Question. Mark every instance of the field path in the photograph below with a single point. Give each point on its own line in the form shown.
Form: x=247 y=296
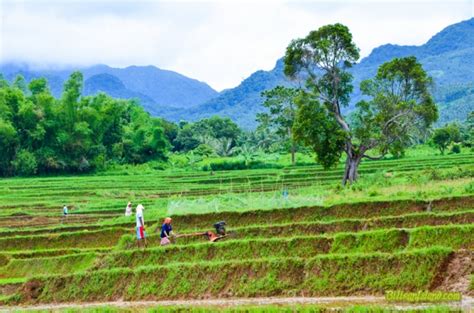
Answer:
x=467 y=303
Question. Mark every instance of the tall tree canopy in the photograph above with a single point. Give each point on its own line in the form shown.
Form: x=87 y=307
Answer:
x=214 y=130
x=400 y=103
x=280 y=102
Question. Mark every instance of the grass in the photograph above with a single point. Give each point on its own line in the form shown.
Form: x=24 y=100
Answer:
x=388 y=241
x=195 y=191
x=20 y=268
x=452 y=235
x=337 y=275
x=83 y=239
x=299 y=246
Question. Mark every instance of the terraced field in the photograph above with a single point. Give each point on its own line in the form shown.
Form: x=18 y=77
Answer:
x=423 y=240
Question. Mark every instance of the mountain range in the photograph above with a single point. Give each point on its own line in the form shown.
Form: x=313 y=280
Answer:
x=157 y=90
x=448 y=57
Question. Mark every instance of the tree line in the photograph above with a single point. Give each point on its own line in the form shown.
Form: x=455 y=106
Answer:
x=42 y=134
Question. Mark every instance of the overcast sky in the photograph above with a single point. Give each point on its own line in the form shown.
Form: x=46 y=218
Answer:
x=219 y=42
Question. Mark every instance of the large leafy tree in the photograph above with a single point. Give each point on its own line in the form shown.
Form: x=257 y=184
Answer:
x=280 y=117
x=400 y=103
x=444 y=136
x=209 y=131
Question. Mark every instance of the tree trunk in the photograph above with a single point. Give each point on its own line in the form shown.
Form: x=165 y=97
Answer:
x=293 y=146
x=350 y=172
x=293 y=152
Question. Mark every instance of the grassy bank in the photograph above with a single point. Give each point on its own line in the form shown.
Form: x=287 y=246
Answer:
x=317 y=276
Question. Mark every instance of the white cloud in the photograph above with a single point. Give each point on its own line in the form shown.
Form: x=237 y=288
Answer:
x=219 y=42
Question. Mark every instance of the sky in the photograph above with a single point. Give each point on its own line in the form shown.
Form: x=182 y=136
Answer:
x=220 y=42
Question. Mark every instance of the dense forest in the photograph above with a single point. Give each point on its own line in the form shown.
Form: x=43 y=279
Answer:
x=42 y=134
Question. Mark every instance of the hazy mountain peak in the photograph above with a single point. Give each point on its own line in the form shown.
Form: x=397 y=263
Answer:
x=157 y=89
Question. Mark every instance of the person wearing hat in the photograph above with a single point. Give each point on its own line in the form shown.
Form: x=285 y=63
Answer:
x=141 y=236
x=166 y=230
x=128 y=209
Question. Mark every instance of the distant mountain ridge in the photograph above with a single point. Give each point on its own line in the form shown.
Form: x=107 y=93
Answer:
x=158 y=90
x=448 y=57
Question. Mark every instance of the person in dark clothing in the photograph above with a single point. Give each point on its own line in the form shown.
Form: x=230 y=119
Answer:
x=166 y=230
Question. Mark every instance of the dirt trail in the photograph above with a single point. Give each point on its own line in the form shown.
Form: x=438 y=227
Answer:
x=458 y=272
x=466 y=305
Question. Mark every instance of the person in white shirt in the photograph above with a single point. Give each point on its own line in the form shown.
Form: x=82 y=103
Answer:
x=141 y=236
x=65 y=213
x=128 y=209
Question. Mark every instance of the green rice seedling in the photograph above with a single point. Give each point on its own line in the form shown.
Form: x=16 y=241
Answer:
x=18 y=268
x=380 y=240
x=41 y=253
x=4 y=259
x=354 y=224
x=318 y=213
x=83 y=239
x=455 y=236
x=389 y=240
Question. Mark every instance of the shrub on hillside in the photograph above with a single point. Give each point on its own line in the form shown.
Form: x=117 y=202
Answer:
x=456 y=148
x=204 y=150
x=25 y=163
x=238 y=165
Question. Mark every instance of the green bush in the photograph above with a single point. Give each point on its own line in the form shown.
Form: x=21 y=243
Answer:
x=204 y=150
x=25 y=163
x=456 y=148
x=239 y=165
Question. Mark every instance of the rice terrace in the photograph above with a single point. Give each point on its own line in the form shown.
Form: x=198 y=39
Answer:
x=341 y=180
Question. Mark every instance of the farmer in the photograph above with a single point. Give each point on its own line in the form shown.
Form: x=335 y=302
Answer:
x=166 y=230
x=65 y=213
x=141 y=236
x=128 y=209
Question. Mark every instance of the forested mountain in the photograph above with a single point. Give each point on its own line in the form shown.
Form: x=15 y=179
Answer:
x=241 y=104
x=448 y=57
x=158 y=90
